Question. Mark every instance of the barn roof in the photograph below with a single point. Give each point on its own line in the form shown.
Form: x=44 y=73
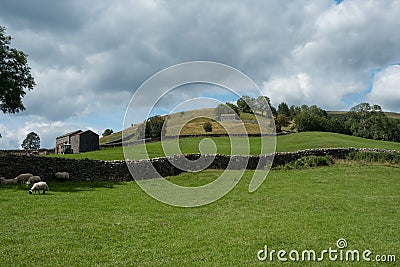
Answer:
x=69 y=134
x=87 y=132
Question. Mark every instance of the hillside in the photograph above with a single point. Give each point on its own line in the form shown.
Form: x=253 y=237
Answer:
x=193 y=121
x=286 y=143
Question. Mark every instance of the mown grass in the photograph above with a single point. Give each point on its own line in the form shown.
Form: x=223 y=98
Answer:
x=286 y=143
x=103 y=224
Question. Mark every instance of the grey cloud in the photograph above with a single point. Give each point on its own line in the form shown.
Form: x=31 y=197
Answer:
x=81 y=52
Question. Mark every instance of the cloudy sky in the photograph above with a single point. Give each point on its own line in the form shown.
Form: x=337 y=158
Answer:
x=89 y=57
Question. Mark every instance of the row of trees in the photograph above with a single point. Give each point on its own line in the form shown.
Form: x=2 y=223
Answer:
x=247 y=104
x=363 y=120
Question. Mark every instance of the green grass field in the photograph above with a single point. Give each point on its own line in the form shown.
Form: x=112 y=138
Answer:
x=286 y=143
x=104 y=224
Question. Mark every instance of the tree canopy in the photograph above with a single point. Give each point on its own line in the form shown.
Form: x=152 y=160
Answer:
x=32 y=141
x=152 y=128
x=15 y=75
x=107 y=132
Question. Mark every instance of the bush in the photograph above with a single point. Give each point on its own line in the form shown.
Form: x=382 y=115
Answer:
x=308 y=162
x=207 y=126
x=380 y=157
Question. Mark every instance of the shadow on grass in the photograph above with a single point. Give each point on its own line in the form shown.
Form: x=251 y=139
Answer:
x=65 y=186
x=80 y=186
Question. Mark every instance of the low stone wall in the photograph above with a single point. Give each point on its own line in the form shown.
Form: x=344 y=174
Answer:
x=96 y=170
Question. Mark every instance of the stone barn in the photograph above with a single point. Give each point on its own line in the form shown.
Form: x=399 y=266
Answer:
x=77 y=142
x=229 y=118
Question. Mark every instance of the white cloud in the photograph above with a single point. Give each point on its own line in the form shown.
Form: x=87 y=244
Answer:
x=386 y=88
x=88 y=57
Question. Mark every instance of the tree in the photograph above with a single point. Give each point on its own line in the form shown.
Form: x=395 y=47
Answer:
x=282 y=120
x=246 y=103
x=15 y=76
x=294 y=110
x=32 y=141
x=308 y=121
x=207 y=126
x=262 y=103
x=234 y=108
x=283 y=109
x=152 y=127
x=107 y=132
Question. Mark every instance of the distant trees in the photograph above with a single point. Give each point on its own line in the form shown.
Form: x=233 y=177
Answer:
x=32 y=141
x=151 y=128
x=310 y=118
x=284 y=109
x=257 y=105
x=107 y=132
x=245 y=103
x=369 y=121
x=363 y=120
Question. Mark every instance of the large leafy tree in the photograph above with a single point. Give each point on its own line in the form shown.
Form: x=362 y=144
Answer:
x=15 y=75
x=152 y=128
x=246 y=103
x=107 y=132
x=32 y=141
x=262 y=103
x=283 y=109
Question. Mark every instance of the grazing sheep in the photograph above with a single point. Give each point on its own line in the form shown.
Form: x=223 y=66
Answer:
x=8 y=181
x=23 y=178
x=61 y=175
x=33 y=179
x=39 y=186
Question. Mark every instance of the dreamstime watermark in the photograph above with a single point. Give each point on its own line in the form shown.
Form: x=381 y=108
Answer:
x=163 y=91
x=338 y=253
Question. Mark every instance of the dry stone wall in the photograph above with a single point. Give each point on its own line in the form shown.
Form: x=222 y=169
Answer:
x=96 y=170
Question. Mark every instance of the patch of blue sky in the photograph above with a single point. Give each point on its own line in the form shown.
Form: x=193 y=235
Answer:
x=359 y=97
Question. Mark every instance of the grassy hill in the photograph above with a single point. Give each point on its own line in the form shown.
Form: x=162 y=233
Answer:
x=286 y=143
x=193 y=121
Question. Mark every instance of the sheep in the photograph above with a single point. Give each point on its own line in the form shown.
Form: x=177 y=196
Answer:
x=23 y=178
x=33 y=179
x=7 y=181
x=39 y=186
x=61 y=176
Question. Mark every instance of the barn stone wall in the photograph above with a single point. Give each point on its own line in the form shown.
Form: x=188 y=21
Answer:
x=96 y=170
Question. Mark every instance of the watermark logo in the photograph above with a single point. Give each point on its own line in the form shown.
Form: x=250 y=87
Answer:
x=339 y=253
x=206 y=83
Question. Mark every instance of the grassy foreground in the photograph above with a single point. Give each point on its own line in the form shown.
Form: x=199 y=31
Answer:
x=89 y=224
x=286 y=143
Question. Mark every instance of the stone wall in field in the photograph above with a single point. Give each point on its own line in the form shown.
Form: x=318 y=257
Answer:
x=96 y=170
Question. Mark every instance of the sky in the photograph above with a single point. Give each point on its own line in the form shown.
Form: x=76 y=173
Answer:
x=89 y=57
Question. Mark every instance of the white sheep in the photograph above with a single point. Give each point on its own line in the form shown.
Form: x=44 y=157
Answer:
x=33 y=179
x=39 y=186
x=61 y=175
x=7 y=181
x=23 y=178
